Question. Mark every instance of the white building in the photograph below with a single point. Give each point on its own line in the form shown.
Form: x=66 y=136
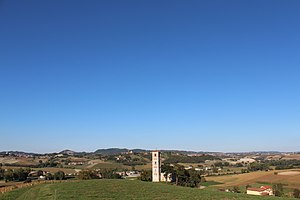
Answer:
x=164 y=178
x=156 y=166
x=262 y=191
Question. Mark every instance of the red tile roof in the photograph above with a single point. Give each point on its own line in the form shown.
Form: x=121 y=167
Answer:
x=265 y=187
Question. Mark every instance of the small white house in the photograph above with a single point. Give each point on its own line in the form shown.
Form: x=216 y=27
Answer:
x=163 y=178
x=262 y=191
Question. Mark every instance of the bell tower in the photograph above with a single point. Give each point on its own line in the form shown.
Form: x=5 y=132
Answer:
x=156 y=171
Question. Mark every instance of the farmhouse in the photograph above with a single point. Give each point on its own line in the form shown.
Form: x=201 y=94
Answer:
x=262 y=191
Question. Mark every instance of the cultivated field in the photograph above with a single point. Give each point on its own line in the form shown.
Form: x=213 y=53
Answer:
x=290 y=178
x=119 y=189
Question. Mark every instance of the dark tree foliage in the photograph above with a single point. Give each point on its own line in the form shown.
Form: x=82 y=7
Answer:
x=60 y=175
x=88 y=174
x=146 y=175
x=236 y=189
x=173 y=159
x=167 y=169
x=49 y=176
x=244 y=171
x=9 y=175
x=49 y=163
x=258 y=166
x=2 y=173
x=278 y=189
x=239 y=165
x=110 y=174
x=296 y=193
x=284 y=164
x=279 y=164
x=128 y=159
x=19 y=174
x=183 y=177
x=221 y=164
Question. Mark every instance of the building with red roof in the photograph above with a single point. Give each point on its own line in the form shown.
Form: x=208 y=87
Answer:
x=262 y=191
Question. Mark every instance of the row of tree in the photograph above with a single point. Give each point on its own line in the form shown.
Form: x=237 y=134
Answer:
x=180 y=176
x=279 y=164
x=22 y=174
x=19 y=174
x=173 y=159
x=104 y=173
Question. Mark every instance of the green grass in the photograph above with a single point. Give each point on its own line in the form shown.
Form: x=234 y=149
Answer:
x=209 y=183
x=107 y=165
x=119 y=189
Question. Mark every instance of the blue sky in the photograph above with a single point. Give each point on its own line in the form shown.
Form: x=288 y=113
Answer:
x=195 y=75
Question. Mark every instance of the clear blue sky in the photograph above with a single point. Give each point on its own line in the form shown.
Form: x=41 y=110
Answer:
x=195 y=75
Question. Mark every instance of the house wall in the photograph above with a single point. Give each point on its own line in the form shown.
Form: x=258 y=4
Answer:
x=253 y=192
x=163 y=178
x=260 y=193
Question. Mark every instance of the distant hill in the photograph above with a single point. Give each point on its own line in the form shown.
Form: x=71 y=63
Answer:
x=68 y=152
x=18 y=153
x=111 y=151
x=115 y=151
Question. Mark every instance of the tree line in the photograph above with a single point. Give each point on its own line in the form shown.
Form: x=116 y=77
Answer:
x=180 y=176
x=173 y=159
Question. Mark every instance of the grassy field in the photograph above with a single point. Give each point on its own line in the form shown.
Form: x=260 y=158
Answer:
x=119 y=189
x=290 y=180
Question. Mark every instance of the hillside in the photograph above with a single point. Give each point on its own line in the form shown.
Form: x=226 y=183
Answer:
x=290 y=178
x=119 y=189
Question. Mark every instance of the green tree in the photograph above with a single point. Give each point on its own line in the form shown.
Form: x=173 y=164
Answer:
x=146 y=175
x=49 y=176
x=110 y=174
x=296 y=193
x=278 y=189
x=167 y=169
x=9 y=175
x=179 y=174
x=194 y=179
x=2 y=173
x=60 y=175
x=21 y=174
x=236 y=189
x=189 y=178
x=87 y=174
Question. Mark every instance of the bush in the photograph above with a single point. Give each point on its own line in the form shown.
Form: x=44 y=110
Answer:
x=236 y=189
x=146 y=176
x=296 y=193
x=87 y=174
x=60 y=175
x=110 y=174
x=278 y=189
